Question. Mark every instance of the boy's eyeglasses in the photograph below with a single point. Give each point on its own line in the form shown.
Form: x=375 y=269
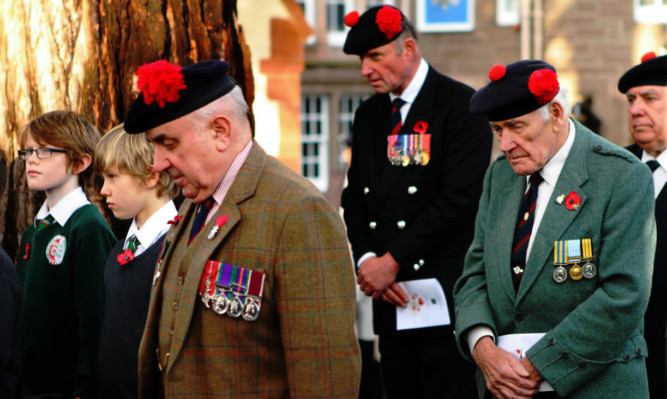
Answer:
x=42 y=153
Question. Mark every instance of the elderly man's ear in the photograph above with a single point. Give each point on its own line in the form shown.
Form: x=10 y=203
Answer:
x=222 y=133
x=557 y=115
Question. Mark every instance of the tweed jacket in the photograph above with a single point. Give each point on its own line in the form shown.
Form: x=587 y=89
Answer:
x=303 y=344
x=593 y=347
x=422 y=214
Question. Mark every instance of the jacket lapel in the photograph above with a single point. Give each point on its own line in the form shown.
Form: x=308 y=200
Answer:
x=243 y=188
x=557 y=218
x=421 y=109
x=508 y=213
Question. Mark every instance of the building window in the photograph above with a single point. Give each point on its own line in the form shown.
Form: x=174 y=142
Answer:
x=315 y=140
x=348 y=106
x=336 y=29
x=650 y=11
x=507 y=12
x=373 y=3
x=308 y=8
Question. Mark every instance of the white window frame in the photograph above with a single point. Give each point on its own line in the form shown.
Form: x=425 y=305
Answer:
x=310 y=14
x=507 y=12
x=336 y=38
x=311 y=136
x=655 y=13
x=345 y=119
x=374 y=3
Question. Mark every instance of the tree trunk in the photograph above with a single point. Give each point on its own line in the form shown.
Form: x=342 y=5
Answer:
x=82 y=55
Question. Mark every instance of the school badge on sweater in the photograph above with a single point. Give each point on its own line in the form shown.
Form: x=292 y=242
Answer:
x=232 y=290
x=410 y=149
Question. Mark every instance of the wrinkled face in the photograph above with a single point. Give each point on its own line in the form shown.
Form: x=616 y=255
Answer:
x=528 y=141
x=46 y=174
x=386 y=70
x=125 y=195
x=648 y=117
x=187 y=152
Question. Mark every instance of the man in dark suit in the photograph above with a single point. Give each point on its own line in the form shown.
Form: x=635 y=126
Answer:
x=557 y=279
x=418 y=160
x=645 y=87
x=253 y=295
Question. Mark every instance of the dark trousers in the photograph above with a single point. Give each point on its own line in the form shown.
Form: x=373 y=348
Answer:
x=425 y=368
x=371 y=376
x=656 y=364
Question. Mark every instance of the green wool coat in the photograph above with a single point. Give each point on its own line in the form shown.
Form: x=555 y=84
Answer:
x=593 y=347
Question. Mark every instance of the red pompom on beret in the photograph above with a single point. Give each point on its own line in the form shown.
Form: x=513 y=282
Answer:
x=497 y=72
x=351 y=18
x=161 y=82
x=389 y=21
x=543 y=83
x=648 y=56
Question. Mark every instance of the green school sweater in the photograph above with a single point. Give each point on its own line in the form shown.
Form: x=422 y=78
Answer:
x=62 y=272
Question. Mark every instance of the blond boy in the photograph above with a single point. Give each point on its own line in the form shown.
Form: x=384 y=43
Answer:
x=61 y=260
x=132 y=190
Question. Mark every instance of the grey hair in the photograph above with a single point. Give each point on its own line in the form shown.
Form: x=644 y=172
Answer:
x=560 y=98
x=232 y=104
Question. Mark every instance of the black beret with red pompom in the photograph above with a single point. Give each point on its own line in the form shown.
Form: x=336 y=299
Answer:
x=516 y=89
x=169 y=92
x=652 y=71
x=376 y=27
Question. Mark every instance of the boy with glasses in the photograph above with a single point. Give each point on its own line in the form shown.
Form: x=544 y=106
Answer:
x=61 y=261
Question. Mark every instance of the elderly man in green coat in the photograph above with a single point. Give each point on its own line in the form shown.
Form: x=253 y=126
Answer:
x=557 y=279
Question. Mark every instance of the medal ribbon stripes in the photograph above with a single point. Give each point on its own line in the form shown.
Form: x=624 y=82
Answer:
x=232 y=290
x=409 y=149
x=573 y=252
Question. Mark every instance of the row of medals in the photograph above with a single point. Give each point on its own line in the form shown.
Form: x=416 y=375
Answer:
x=221 y=304
x=588 y=270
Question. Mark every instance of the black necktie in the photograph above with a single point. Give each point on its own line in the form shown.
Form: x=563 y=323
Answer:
x=204 y=208
x=524 y=228
x=653 y=165
x=396 y=121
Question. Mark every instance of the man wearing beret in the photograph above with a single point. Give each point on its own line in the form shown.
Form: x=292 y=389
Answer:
x=557 y=279
x=253 y=294
x=645 y=86
x=418 y=162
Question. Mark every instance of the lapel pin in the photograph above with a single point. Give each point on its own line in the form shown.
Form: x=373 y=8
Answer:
x=560 y=199
x=219 y=222
x=572 y=201
x=175 y=220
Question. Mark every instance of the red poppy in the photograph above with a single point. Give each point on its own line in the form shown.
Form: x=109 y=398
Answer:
x=175 y=220
x=125 y=257
x=27 y=250
x=161 y=82
x=572 y=201
x=421 y=127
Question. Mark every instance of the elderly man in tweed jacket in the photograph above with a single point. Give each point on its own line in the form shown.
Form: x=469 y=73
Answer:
x=253 y=294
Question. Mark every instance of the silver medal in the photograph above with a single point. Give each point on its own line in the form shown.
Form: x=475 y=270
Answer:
x=251 y=311
x=560 y=274
x=220 y=303
x=589 y=270
x=235 y=307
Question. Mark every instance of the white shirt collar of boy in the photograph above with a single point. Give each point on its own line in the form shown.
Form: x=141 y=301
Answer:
x=660 y=174
x=227 y=181
x=153 y=228
x=67 y=205
x=413 y=89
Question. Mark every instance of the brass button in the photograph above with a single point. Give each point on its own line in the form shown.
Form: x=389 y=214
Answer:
x=552 y=341
x=412 y=190
x=421 y=262
x=401 y=224
x=417 y=267
x=366 y=190
x=372 y=225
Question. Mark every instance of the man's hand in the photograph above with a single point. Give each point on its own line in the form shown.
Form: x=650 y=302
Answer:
x=377 y=278
x=505 y=376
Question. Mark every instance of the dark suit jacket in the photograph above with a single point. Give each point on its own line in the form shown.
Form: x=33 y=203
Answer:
x=302 y=345
x=436 y=202
x=656 y=313
x=593 y=346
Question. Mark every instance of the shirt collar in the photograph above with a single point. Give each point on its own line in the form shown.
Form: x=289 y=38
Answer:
x=154 y=227
x=415 y=85
x=662 y=158
x=64 y=209
x=551 y=170
x=224 y=186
